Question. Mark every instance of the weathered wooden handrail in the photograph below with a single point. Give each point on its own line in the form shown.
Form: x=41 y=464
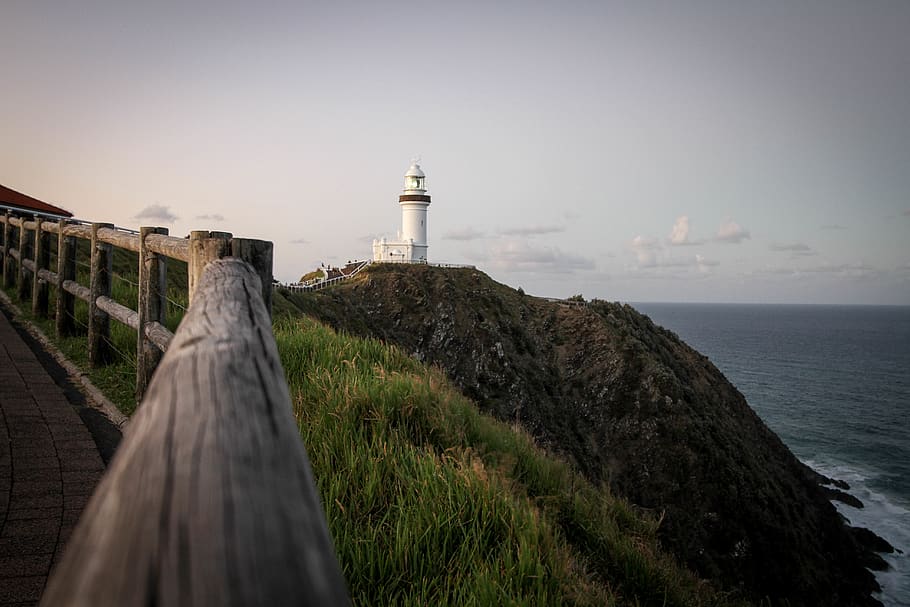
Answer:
x=210 y=499
x=176 y=248
x=158 y=334
x=71 y=286
x=33 y=277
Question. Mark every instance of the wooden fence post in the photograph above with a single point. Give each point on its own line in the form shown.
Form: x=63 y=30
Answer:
x=205 y=247
x=7 y=258
x=99 y=323
x=152 y=307
x=39 y=285
x=66 y=270
x=24 y=284
x=257 y=253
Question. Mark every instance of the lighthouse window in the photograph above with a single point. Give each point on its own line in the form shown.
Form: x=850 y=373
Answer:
x=421 y=222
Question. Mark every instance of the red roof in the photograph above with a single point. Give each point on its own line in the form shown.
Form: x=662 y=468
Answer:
x=13 y=198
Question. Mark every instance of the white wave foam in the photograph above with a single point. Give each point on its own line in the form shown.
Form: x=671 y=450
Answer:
x=882 y=514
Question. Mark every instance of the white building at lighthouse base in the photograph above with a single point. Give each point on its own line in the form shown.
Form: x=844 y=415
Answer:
x=399 y=251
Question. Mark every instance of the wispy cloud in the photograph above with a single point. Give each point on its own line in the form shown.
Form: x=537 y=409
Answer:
x=732 y=232
x=463 y=234
x=854 y=270
x=300 y=241
x=704 y=265
x=679 y=234
x=210 y=217
x=645 y=250
x=797 y=249
x=520 y=256
x=157 y=212
x=858 y=270
x=833 y=226
x=653 y=260
x=532 y=230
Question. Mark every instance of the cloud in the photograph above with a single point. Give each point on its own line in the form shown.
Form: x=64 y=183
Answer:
x=704 y=265
x=679 y=235
x=852 y=270
x=532 y=231
x=858 y=270
x=652 y=260
x=210 y=217
x=463 y=234
x=519 y=256
x=833 y=226
x=680 y=232
x=157 y=212
x=798 y=249
x=732 y=232
x=906 y=213
x=645 y=250
x=300 y=241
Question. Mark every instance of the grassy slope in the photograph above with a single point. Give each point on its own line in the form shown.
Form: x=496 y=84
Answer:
x=431 y=502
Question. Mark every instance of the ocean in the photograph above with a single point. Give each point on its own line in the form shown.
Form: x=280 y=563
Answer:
x=834 y=383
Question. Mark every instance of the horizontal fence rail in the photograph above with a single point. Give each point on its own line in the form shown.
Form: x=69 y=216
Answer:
x=210 y=499
x=26 y=249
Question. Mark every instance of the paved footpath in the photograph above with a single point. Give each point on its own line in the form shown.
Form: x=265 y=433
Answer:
x=49 y=466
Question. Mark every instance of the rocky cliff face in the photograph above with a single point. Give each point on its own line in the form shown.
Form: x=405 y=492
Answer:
x=631 y=406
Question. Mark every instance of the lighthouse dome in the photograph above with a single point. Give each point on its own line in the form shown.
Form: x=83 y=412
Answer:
x=414 y=171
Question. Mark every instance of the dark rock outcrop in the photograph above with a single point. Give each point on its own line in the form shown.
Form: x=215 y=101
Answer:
x=632 y=406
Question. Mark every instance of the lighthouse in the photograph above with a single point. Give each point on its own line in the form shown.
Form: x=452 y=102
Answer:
x=411 y=245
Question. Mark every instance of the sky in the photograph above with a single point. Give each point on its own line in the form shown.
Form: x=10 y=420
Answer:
x=634 y=151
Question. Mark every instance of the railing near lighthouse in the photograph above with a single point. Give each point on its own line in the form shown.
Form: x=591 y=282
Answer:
x=317 y=284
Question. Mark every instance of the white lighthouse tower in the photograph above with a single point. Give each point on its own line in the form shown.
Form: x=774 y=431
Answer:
x=414 y=202
x=412 y=239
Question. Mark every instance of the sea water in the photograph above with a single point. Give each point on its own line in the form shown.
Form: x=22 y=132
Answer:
x=834 y=383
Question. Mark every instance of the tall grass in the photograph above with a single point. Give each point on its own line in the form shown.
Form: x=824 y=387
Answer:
x=431 y=502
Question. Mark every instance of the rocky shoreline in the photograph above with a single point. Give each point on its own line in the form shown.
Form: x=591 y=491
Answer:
x=874 y=545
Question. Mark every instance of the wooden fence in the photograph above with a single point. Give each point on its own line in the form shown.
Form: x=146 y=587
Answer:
x=209 y=499
x=26 y=266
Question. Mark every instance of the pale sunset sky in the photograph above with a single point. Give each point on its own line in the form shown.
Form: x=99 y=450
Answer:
x=634 y=151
